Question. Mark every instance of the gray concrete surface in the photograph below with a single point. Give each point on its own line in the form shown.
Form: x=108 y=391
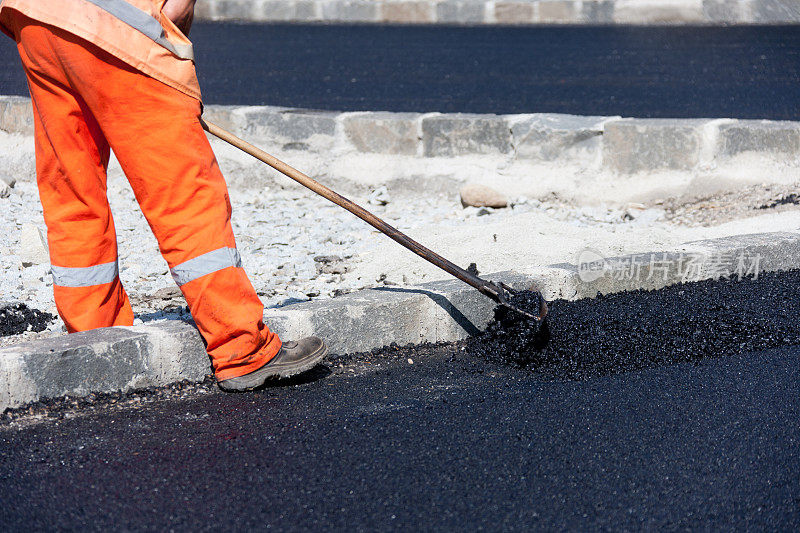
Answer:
x=635 y=145
x=548 y=137
x=516 y=12
x=461 y=134
x=754 y=136
x=387 y=133
x=121 y=359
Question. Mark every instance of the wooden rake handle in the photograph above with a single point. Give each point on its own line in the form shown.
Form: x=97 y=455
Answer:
x=486 y=287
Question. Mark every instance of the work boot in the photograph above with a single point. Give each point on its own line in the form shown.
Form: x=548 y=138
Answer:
x=293 y=358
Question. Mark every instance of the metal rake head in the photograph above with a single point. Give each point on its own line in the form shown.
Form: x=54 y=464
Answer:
x=501 y=293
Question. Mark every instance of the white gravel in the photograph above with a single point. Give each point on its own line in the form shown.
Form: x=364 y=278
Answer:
x=280 y=232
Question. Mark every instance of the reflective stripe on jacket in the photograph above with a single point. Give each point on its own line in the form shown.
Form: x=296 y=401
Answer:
x=136 y=31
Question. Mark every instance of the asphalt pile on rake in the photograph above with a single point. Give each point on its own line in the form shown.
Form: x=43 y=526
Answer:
x=640 y=329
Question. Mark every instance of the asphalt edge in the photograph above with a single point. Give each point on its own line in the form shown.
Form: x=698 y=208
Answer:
x=127 y=358
x=619 y=145
x=504 y=12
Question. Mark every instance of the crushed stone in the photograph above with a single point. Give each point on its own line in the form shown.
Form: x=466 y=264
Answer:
x=789 y=199
x=708 y=210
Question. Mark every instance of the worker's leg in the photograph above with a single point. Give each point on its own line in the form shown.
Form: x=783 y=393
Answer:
x=181 y=191
x=71 y=161
x=155 y=133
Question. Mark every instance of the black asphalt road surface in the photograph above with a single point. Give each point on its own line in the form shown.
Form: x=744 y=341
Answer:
x=739 y=72
x=453 y=440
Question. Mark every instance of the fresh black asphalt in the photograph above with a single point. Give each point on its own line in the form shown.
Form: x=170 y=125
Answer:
x=673 y=410
x=16 y=318
x=634 y=330
x=672 y=72
x=451 y=439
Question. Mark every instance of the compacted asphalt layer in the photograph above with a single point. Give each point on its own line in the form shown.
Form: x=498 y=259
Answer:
x=675 y=409
x=672 y=72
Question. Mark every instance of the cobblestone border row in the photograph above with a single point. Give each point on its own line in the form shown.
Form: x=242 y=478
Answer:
x=624 y=146
x=512 y=12
x=125 y=358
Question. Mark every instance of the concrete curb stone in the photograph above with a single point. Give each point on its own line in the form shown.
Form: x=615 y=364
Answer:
x=106 y=359
x=774 y=11
x=633 y=145
x=513 y=13
x=289 y=128
x=621 y=145
x=517 y=12
x=299 y=129
x=413 y=12
x=103 y=360
x=387 y=133
x=233 y=10
x=547 y=137
x=725 y=11
x=16 y=115
x=461 y=12
x=121 y=359
x=758 y=135
x=350 y=10
x=281 y=11
x=558 y=12
x=598 y=12
x=656 y=12
x=461 y=134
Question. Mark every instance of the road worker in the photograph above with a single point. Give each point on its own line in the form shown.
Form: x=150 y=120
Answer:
x=119 y=75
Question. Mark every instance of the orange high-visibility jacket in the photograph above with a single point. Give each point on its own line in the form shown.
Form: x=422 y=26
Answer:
x=135 y=31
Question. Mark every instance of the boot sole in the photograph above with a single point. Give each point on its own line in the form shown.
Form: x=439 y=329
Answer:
x=276 y=371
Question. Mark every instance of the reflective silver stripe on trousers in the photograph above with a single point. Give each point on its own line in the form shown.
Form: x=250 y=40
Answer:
x=206 y=264
x=144 y=23
x=85 y=276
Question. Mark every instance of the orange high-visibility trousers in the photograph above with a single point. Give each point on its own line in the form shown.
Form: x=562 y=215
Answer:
x=86 y=102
